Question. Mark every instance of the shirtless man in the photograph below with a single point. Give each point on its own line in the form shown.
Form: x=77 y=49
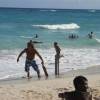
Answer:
x=30 y=56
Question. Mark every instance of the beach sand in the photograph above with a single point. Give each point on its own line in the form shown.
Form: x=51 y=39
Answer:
x=34 y=89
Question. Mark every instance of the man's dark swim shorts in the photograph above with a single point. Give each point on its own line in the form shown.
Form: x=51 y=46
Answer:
x=32 y=63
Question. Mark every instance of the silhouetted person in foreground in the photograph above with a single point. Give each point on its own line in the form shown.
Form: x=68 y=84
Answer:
x=57 y=56
x=30 y=56
x=82 y=91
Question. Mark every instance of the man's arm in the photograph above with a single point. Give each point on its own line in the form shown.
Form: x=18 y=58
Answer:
x=63 y=95
x=39 y=56
x=20 y=54
x=59 y=48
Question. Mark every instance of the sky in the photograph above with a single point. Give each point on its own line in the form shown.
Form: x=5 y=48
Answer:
x=60 y=4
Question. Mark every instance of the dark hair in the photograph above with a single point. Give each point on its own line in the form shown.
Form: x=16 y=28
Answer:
x=30 y=44
x=55 y=43
x=79 y=80
x=91 y=32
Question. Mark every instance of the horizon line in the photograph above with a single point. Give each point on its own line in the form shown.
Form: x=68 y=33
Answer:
x=51 y=8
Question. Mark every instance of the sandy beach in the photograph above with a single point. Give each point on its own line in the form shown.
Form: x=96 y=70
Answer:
x=34 y=89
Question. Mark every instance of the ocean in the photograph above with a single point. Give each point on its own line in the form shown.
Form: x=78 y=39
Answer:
x=20 y=25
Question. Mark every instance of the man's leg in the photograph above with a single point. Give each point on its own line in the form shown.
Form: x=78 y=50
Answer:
x=38 y=73
x=55 y=65
x=27 y=69
x=58 y=66
x=35 y=66
x=28 y=74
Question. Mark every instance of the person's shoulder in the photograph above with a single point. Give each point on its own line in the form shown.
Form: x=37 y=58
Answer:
x=25 y=49
x=85 y=95
x=35 y=50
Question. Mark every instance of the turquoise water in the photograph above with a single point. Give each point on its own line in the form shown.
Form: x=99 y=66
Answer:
x=18 y=26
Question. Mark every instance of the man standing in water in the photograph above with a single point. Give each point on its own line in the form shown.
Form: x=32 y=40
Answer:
x=57 y=56
x=30 y=56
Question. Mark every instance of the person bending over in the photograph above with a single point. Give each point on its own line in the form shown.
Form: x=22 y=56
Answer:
x=30 y=59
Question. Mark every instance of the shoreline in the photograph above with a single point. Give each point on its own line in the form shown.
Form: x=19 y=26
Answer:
x=34 y=89
x=94 y=70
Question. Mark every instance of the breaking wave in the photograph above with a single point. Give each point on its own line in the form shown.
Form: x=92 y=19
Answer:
x=58 y=26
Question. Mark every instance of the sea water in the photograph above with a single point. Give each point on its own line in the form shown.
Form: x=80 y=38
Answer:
x=18 y=26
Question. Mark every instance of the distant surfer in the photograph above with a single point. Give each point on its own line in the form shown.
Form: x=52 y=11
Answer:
x=57 y=57
x=30 y=59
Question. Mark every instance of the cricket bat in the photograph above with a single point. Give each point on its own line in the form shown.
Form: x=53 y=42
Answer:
x=45 y=71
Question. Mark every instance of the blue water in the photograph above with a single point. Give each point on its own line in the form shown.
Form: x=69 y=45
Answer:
x=18 y=26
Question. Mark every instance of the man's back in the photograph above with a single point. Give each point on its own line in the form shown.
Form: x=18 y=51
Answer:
x=30 y=52
x=76 y=95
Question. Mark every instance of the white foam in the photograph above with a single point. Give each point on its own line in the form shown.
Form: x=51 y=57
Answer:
x=73 y=59
x=98 y=40
x=26 y=37
x=52 y=10
x=59 y=26
x=92 y=10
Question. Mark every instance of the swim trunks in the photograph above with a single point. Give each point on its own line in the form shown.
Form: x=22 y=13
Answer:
x=32 y=63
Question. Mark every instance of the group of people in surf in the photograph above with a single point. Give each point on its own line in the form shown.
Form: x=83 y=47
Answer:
x=75 y=36
x=31 y=51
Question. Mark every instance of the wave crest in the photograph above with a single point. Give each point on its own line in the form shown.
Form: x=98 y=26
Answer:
x=52 y=10
x=59 y=26
x=26 y=37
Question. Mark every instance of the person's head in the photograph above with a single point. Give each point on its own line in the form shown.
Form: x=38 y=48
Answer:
x=30 y=45
x=91 y=32
x=31 y=41
x=80 y=83
x=55 y=43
